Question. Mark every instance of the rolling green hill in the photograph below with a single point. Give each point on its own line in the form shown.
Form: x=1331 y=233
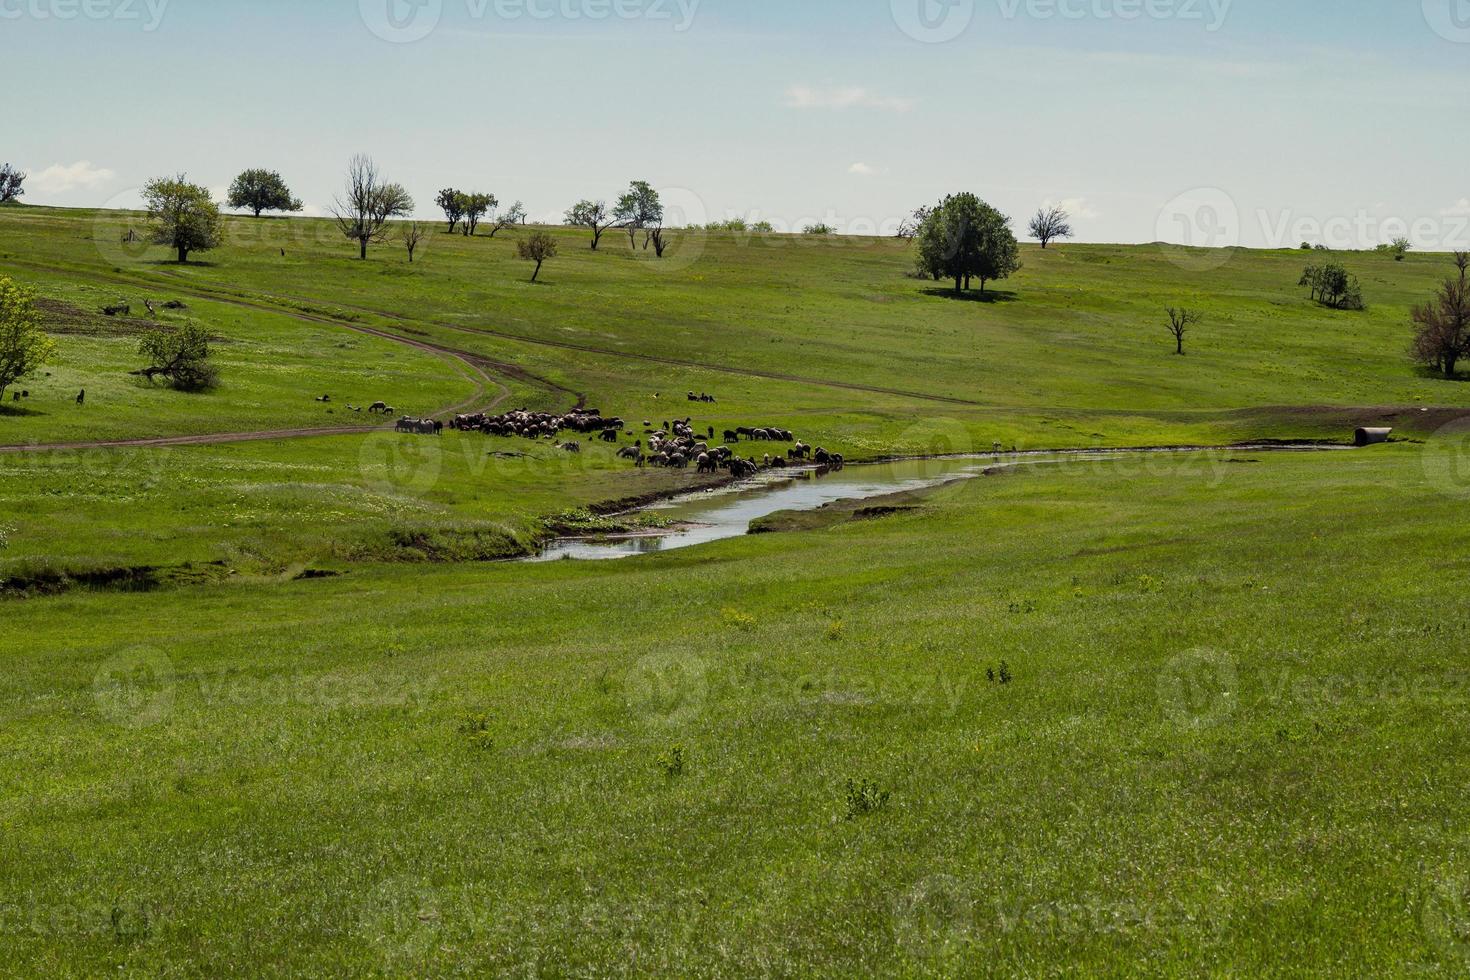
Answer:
x=269 y=702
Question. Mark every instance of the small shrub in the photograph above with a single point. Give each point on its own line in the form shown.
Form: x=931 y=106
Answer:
x=672 y=762
x=835 y=631
x=735 y=619
x=864 y=798
x=476 y=728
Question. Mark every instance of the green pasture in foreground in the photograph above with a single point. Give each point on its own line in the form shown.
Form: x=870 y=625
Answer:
x=1233 y=742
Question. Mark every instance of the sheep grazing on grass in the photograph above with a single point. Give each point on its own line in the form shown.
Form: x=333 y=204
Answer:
x=539 y=425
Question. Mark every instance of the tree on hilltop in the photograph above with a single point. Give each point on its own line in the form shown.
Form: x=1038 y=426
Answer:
x=640 y=208
x=966 y=239
x=183 y=215
x=509 y=218
x=1050 y=224
x=369 y=204
x=474 y=207
x=595 y=216
x=12 y=184
x=261 y=190
x=451 y=202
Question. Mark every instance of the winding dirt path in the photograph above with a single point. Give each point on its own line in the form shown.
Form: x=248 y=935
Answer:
x=475 y=368
x=652 y=358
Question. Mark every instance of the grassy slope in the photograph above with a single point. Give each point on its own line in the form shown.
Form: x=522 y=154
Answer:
x=1075 y=351
x=272 y=369
x=299 y=794
x=1074 y=355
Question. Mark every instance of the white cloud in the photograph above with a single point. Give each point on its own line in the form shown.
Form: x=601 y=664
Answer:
x=864 y=170
x=60 y=178
x=1077 y=207
x=843 y=97
x=1461 y=209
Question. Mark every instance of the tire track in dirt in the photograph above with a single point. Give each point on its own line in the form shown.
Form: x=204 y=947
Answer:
x=662 y=359
x=473 y=367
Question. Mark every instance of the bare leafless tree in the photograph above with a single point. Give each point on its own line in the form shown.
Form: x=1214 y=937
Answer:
x=1180 y=322
x=1049 y=224
x=509 y=218
x=909 y=228
x=413 y=234
x=370 y=203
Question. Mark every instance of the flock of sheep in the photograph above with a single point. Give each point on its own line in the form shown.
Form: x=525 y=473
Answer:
x=676 y=445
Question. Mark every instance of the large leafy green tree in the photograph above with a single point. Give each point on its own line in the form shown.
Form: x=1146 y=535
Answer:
x=261 y=190
x=965 y=239
x=474 y=207
x=639 y=208
x=451 y=202
x=183 y=215
x=23 y=347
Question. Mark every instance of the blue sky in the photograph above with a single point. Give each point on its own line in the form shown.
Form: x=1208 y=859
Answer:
x=1205 y=121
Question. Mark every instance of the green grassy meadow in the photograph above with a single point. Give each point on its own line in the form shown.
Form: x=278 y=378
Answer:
x=1196 y=714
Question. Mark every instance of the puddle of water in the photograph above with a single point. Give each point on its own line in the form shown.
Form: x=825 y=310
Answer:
x=727 y=512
